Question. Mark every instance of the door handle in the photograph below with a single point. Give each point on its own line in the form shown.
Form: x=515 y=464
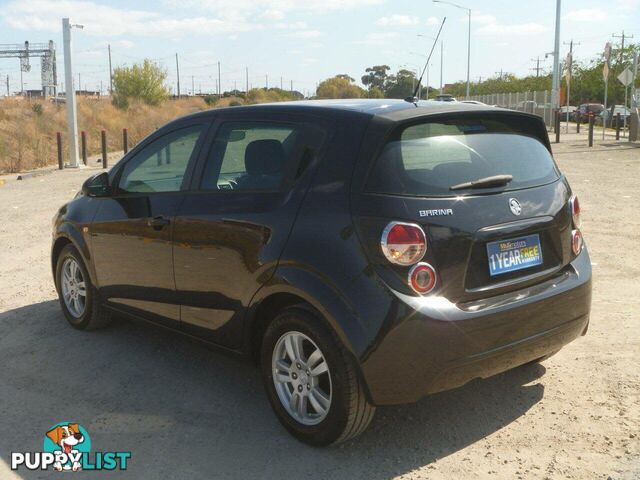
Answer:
x=158 y=222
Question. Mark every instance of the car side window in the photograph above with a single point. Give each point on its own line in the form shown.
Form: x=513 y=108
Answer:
x=249 y=156
x=161 y=165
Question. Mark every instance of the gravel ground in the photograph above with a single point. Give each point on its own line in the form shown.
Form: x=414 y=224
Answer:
x=185 y=411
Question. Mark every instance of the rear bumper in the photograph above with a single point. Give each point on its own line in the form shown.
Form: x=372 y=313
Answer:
x=430 y=344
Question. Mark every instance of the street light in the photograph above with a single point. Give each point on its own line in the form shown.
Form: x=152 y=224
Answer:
x=468 y=40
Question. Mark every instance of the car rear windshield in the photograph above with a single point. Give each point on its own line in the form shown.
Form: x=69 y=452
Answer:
x=427 y=159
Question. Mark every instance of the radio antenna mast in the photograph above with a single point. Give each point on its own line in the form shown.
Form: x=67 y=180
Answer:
x=413 y=99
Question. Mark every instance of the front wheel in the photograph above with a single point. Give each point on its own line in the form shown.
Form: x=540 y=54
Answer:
x=78 y=297
x=311 y=380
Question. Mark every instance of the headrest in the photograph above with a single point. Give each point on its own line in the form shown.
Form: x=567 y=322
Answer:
x=264 y=157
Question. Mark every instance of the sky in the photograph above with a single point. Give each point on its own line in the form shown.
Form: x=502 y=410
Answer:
x=306 y=41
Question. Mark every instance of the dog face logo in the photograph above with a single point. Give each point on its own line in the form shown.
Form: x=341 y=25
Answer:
x=70 y=439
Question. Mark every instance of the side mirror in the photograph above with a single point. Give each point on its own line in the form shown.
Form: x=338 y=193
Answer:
x=97 y=185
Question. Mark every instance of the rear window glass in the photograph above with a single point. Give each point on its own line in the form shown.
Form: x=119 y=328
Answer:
x=428 y=158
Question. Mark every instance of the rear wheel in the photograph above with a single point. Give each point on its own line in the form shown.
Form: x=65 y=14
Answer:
x=78 y=298
x=311 y=380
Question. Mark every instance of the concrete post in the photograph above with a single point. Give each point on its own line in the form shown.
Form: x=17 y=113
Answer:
x=72 y=119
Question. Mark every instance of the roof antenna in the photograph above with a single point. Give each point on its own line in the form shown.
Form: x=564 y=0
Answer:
x=413 y=99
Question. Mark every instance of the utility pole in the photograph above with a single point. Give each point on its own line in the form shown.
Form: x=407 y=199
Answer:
x=537 y=67
x=219 y=81
x=7 y=85
x=72 y=119
x=110 y=72
x=247 y=79
x=441 y=65
x=79 y=83
x=21 y=82
x=281 y=84
x=193 y=88
x=623 y=36
x=266 y=82
x=178 y=75
x=569 y=68
x=291 y=86
x=555 y=91
x=500 y=74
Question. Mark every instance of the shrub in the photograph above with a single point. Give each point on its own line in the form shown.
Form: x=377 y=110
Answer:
x=210 y=100
x=37 y=108
x=235 y=103
x=145 y=82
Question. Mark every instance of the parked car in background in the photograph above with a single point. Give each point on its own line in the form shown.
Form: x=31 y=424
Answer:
x=472 y=102
x=611 y=116
x=567 y=109
x=362 y=252
x=586 y=109
x=444 y=97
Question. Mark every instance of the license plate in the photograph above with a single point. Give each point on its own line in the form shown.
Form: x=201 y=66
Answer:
x=514 y=254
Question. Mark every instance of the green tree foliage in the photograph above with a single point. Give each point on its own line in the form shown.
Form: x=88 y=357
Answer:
x=210 y=100
x=339 y=87
x=376 y=76
x=587 y=83
x=144 y=81
x=401 y=85
x=262 y=95
x=375 y=92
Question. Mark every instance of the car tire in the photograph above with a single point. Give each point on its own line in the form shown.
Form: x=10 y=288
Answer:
x=83 y=312
x=349 y=411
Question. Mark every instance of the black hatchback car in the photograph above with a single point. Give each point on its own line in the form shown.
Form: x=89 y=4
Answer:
x=363 y=252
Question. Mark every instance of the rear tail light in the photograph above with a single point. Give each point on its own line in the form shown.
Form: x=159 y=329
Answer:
x=574 y=205
x=422 y=278
x=403 y=243
x=576 y=242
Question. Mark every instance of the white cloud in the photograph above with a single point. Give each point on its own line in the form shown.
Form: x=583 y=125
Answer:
x=586 y=15
x=44 y=15
x=628 y=5
x=480 y=18
x=190 y=16
x=272 y=14
x=291 y=26
x=511 y=29
x=397 y=21
x=122 y=44
x=377 y=38
x=306 y=34
x=433 y=21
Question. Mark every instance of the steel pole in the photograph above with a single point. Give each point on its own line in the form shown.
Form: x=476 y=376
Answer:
x=469 y=55
x=441 y=64
x=72 y=119
x=555 y=94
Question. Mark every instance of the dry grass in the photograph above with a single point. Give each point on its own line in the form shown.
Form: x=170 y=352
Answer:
x=28 y=136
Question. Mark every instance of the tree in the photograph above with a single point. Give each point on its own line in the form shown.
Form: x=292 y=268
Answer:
x=339 y=87
x=346 y=77
x=401 y=85
x=144 y=81
x=375 y=92
x=376 y=76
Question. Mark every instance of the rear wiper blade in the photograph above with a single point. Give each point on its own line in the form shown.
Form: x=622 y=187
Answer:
x=487 y=182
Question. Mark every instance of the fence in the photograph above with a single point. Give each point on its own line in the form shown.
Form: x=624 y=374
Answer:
x=531 y=102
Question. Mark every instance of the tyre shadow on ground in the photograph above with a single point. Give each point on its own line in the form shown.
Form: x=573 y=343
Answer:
x=185 y=411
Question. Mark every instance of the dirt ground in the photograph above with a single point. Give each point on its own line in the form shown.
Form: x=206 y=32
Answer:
x=187 y=412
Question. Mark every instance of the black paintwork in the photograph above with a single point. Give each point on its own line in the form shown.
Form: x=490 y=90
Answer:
x=223 y=255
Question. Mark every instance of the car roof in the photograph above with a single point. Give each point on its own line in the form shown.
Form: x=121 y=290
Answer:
x=389 y=108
